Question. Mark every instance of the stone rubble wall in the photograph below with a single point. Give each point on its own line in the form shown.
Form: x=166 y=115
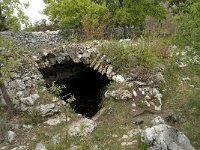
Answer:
x=35 y=40
x=90 y=56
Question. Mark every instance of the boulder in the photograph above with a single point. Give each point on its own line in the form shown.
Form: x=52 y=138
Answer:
x=165 y=137
x=40 y=146
x=47 y=110
x=82 y=127
x=11 y=136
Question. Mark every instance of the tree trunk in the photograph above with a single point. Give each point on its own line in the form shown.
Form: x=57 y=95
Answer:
x=2 y=20
x=125 y=31
x=6 y=96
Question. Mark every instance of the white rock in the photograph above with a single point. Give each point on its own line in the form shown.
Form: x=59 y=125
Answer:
x=134 y=132
x=154 y=91
x=186 y=79
x=11 y=136
x=140 y=83
x=119 y=94
x=40 y=146
x=133 y=105
x=158 y=108
x=125 y=137
x=34 y=97
x=27 y=100
x=19 y=94
x=54 y=99
x=147 y=103
x=165 y=137
x=27 y=126
x=118 y=78
x=82 y=127
x=147 y=97
x=182 y=65
x=158 y=96
x=134 y=93
x=20 y=148
x=20 y=84
x=53 y=122
x=26 y=78
x=127 y=143
x=157 y=120
x=47 y=110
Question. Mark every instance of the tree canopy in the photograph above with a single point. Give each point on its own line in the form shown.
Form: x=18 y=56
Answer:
x=12 y=15
x=188 y=23
x=112 y=13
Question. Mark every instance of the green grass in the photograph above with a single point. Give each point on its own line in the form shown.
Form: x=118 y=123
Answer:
x=124 y=57
x=184 y=99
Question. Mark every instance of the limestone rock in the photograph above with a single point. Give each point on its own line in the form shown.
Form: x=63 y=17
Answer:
x=53 y=122
x=20 y=148
x=40 y=146
x=11 y=136
x=158 y=120
x=47 y=110
x=119 y=94
x=30 y=100
x=82 y=127
x=164 y=137
x=118 y=78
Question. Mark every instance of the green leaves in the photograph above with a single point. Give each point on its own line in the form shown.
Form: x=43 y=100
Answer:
x=71 y=13
x=188 y=25
x=9 y=19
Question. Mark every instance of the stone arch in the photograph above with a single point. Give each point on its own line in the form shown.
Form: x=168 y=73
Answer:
x=83 y=70
x=89 y=56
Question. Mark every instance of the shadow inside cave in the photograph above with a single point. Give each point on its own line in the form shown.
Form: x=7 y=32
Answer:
x=86 y=84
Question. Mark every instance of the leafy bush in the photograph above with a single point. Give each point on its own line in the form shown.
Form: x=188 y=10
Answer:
x=188 y=20
x=95 y=20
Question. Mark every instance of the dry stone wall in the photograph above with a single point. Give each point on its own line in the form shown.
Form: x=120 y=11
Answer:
x=36 y=40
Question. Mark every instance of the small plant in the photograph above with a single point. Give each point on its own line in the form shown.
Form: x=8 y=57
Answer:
x=71 y=99
x=56 y=89
x=73 y=38
x=141 y=144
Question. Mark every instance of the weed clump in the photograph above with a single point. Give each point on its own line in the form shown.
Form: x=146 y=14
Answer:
x=126 y=56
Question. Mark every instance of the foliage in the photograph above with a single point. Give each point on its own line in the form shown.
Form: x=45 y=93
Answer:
x=85 y=14
x=94 y=16
x=9 y=19
x=9 y=58
x=188 y=24
x=56 y=89
x=129 y=55
x=128 y=12
x=181 y=96
x=95 y=21
x=73 y=38
x=141 y=144
x=71 y=99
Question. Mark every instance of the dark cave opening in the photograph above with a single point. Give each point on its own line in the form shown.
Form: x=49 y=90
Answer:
x=84 y=83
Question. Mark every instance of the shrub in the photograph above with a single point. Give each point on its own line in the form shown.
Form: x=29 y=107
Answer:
x=129 y=55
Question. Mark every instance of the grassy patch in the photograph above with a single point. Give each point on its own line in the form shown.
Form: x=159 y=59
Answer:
x=183 y=98
x=124 y=56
